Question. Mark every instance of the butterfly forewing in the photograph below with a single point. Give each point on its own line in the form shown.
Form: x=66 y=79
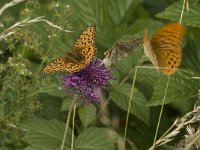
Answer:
x=84 y=40
x=122 y=49
x=89 y=53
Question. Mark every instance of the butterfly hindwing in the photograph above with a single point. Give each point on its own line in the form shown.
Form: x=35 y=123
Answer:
x=55 y=66
x=166 y=45
x=63 y=64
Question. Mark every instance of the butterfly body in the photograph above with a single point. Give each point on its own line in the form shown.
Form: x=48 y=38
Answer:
x=164 y=48
x=76 y=58
x=81 y=55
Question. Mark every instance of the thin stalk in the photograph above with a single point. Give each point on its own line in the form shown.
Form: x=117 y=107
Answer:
x=121 y=83
x=67 y=124
x=129 y=107
x=160 y=115
x=73 y=123
x=182 y=11
x=10 y=4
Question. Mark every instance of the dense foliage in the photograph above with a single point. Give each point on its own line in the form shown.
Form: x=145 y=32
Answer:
x=34 y=106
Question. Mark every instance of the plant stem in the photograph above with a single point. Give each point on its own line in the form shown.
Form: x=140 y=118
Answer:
x=160 y=115
x=74 y=115
x=129 y=106
x=67 y=124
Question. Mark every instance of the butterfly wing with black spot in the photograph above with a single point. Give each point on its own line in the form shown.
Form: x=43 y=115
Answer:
x=82 y=54
x=85 y=45
x=63 y=65
x=55 y=66
x=166 y=44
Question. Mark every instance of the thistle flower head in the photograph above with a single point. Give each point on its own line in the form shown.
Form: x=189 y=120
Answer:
x=87 y=82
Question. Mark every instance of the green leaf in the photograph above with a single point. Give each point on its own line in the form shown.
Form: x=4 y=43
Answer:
x=190 y=18
x=140 y=24
x=147 y=75
x=119 y=10
x=126 y=65
x=53 y=89
x=181 y=87
x=94 y=139
x=110 y=16
x=45 y=134
x=110 y=13
x=121 y=96
x=87 y=114
x=191 y=53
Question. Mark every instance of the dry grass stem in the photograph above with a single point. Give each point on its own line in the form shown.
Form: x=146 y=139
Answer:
x=26 y=22
x=54 y=25
x=10 y=4
x=179 y=123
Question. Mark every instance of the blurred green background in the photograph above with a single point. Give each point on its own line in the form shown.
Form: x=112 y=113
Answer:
x=34 y=106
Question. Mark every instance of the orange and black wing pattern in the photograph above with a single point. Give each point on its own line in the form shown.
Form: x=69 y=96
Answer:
x=84 y=48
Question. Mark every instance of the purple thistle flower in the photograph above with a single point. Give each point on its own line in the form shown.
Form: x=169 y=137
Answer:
x=87 y=82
